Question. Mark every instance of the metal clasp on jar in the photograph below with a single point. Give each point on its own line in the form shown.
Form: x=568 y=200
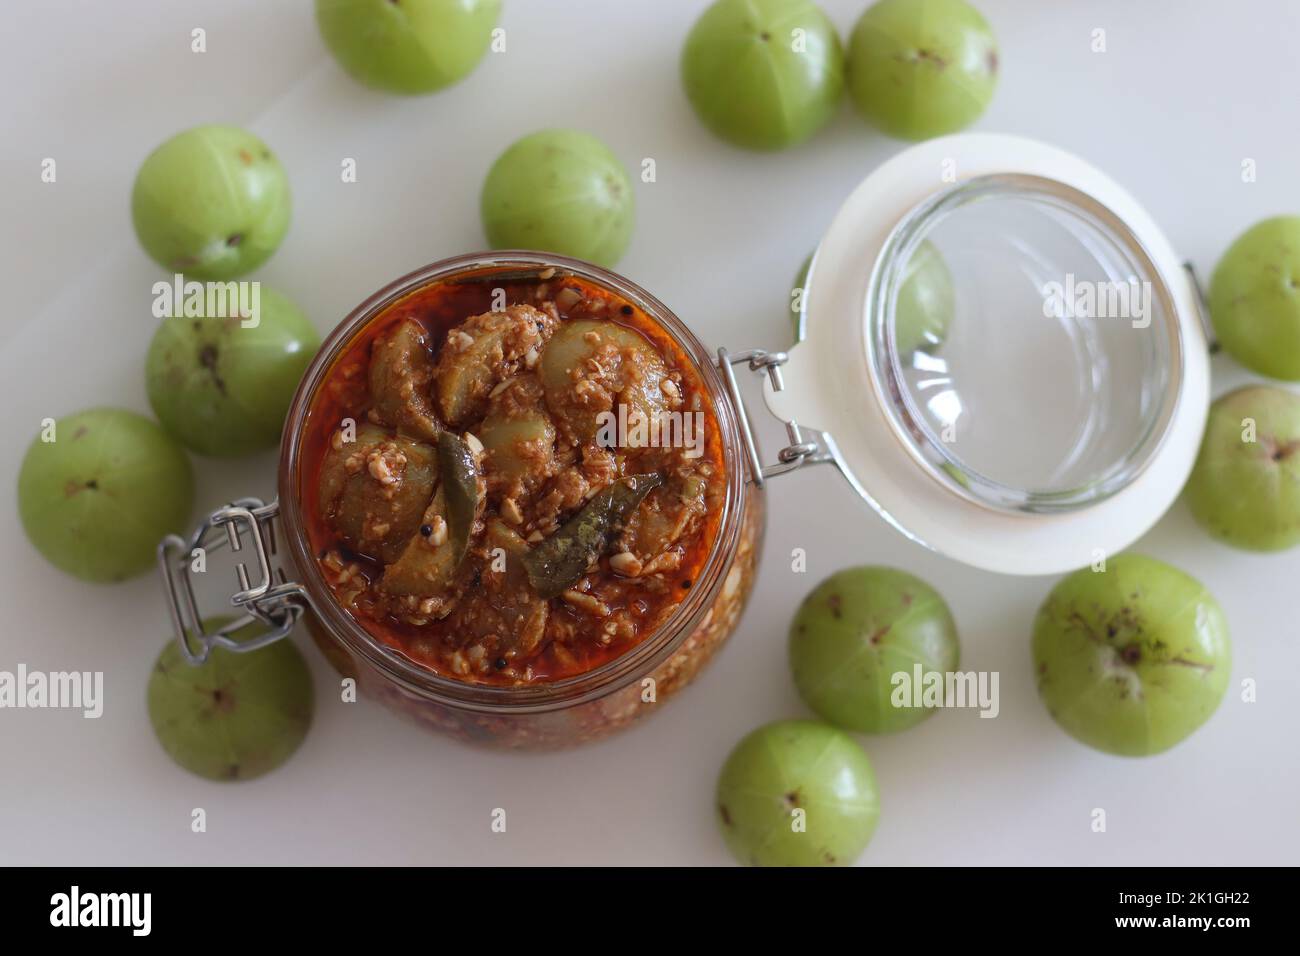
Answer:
x=268 y=598
x=806 y=445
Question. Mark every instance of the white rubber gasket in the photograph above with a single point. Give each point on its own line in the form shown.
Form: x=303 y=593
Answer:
x=828 y=383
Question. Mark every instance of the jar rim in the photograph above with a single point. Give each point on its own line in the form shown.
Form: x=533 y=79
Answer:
x=932 y=454
x=609 y=677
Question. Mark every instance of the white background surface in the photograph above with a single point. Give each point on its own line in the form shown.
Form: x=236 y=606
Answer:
x=1186 y=91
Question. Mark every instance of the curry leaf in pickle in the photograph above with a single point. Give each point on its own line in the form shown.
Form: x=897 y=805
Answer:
x=559 y=561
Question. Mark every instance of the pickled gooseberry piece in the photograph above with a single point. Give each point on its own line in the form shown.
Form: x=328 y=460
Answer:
x=922 y=68
x=407 y=46
x=560 y=191
x=855 y=633
x=222 y=385
x=211 y=202
x=763 y=74
x=1131 y=659
x=1255 y=298
x=237 y=715
x=797 y=793
x=99 y=489
x=924 y=306
x=1245 y=485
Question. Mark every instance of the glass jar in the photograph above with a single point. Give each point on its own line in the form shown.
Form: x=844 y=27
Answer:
x=286 y=583
x=1058 y=414
x=1034 y=432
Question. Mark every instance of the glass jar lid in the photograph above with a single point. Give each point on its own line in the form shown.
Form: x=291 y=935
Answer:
x=1027 y=344
x=1006 y=352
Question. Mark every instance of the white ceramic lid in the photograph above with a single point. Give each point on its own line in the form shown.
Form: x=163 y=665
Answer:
x=833 y=381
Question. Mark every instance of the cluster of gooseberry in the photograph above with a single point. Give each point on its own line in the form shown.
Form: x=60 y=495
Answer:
x=1130 y=661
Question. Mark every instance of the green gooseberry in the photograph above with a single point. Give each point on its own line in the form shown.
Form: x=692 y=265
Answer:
x=561 y=191
x=797 y=793
x=763 y=74
x=1245 y=485
x=1255 y=298
x=1131 y=659
x=922 y=68
x=223 y=384
x=99 y=489
x=236 y=716
x=211 y=202
x=407 y=46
